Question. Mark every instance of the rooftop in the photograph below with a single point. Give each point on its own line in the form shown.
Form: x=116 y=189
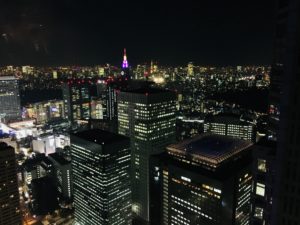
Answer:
x=147 y=90
x=100 y=137
x=226 y=118
x=59 y=159
x=209 y=149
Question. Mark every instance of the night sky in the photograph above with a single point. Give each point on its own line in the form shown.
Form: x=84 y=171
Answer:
x=68 y=32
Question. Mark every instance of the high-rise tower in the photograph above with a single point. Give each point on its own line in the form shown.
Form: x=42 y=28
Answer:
x=101 y=175
x=147 y=116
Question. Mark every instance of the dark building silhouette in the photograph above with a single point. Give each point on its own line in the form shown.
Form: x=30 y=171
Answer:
x=10 y=213
x=44 y=196
x=204 y=180
x=286 y=207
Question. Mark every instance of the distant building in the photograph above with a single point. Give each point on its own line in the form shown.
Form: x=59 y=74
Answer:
x=76 y=96
x=9 y=99
x=264 y=172
x=190 y=69
x=45 y=111
x=107 y=101
x=230 y=125
x=47 y=144
x=62 y=174
x=204 y=180
x=147 y=116
x=101 y=174
x=10 y=213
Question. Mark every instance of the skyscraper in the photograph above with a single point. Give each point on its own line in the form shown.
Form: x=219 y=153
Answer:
x=76 y=96
x=205 y=180
x=101 y=175
x=9 y=98
x=147 y=116
x=9 y=195
x=286 y=204
x=107 y=93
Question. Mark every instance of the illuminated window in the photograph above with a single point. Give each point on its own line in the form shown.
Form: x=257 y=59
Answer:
x=261 y=165
x=260 y=189
x=258 y=213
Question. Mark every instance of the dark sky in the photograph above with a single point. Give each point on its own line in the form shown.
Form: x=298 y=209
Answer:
x=207 y=32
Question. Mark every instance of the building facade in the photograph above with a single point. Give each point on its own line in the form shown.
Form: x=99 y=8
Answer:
x=10 y=213
x=9 y=99
x=147 y=116
x=45 y=111
x=62 y=174
x=230 y=125
x=101 y=175
x=264 y=172
x=77 y=98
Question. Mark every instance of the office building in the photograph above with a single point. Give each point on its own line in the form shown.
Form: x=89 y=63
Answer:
x=62 y=174
x=147 y=116
x=47 y=143
x=107 y=95
x=264 y=172
x=101 y=178
x=10 y=213
x=45 y=111
x=36 y=167
x=230 y=125
x=286 y=204
x=204 y=180
x=98 y=108
x=76 y=96
x=9 y=99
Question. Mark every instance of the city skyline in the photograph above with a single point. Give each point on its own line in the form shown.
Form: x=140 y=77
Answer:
x=149 y=113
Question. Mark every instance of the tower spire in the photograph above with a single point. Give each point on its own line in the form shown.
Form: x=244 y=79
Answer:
x=125 y=62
